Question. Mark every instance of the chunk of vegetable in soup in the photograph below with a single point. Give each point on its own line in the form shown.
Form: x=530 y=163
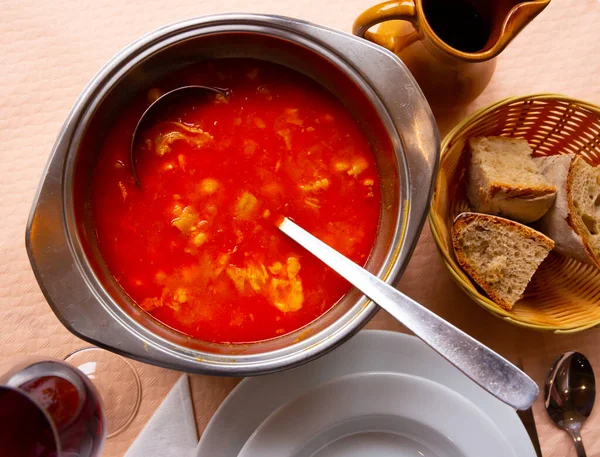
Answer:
x=196 y=245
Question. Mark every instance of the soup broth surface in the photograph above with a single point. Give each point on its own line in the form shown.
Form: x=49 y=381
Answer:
x=196 y=244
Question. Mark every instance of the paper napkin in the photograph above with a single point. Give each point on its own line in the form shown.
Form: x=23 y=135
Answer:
x=171 y=431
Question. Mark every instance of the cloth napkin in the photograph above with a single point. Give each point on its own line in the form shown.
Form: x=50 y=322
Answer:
x=554 y=442
x=171 y=431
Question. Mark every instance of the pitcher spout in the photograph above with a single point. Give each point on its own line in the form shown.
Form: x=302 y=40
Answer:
x=515 y=20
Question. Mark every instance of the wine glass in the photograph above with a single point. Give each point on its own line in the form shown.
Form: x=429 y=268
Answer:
x=50 y=409
x=117 y=381
x=115 y=386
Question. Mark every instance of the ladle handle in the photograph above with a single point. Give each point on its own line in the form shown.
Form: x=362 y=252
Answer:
x=488 y=369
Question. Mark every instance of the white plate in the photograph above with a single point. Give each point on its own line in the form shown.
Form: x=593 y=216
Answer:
x=379 y=415
x=254 y=399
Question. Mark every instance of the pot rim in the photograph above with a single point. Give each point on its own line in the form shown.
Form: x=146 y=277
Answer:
x=141 y=343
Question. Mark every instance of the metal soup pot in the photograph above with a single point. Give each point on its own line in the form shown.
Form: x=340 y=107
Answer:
x=372 y=83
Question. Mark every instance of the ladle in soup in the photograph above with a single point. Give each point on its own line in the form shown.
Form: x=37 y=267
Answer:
x=163 y=101
x=488 y=369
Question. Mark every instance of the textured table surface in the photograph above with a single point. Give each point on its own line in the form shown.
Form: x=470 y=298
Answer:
x=49 y=50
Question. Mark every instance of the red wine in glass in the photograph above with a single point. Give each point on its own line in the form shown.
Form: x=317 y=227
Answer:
x=49 y=409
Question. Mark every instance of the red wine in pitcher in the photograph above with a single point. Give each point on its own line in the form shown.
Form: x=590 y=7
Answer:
x=462 y=24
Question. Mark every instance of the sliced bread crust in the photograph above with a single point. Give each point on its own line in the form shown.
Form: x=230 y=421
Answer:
x=519 y=192
x=573 y=222
x=583 y=192
x=497 y=268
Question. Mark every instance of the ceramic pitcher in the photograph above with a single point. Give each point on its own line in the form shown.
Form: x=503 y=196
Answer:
x=450 y=46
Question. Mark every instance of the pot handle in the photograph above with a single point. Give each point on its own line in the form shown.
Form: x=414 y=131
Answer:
x=405 y=10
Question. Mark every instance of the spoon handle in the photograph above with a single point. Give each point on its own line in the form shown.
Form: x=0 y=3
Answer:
x=577 y=442
x=488 y=369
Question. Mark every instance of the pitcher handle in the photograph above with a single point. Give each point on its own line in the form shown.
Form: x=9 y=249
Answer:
x=405 y=10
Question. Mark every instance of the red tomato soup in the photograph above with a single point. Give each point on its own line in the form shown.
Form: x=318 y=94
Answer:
x=195 y=245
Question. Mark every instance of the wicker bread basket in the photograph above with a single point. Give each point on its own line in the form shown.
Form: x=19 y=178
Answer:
x=564 y=294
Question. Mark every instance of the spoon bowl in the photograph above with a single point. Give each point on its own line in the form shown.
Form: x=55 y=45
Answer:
x=165 y=100
x=569 y=394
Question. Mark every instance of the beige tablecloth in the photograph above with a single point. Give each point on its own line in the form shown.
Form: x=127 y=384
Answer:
x=49 y=50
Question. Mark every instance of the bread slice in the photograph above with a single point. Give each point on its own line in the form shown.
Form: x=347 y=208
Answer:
x=504 y=180
x=574 y=220
x=499 y=254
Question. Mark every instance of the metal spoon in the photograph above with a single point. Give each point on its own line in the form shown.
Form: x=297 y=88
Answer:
x=491 y=371
x=569 y=394
x=162 y=101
